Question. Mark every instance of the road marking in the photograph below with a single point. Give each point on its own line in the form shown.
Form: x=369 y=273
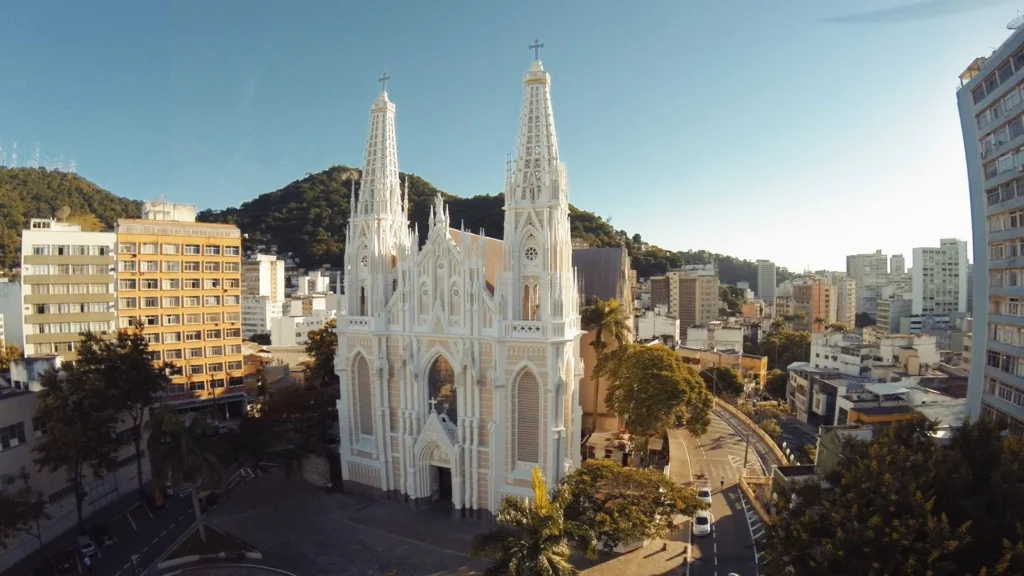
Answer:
x=134 y=527
x=155 y=540
x=144 y=548
x=689 y=541
x=162 y=534
x=148 y=511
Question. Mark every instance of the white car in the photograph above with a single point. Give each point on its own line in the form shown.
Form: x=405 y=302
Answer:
x=702 y=523
x=85 y=546
x=704 y=493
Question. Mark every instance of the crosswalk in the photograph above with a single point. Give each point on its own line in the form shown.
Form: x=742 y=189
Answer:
x=756 y=528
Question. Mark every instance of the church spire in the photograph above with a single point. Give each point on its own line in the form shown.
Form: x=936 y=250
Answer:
x=537 y=177
x=380 y=189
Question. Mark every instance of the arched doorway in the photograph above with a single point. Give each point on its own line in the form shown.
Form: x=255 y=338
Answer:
x=441 y=389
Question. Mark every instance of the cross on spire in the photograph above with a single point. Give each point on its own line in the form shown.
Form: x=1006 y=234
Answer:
x=384 y=82
x=536 y=46
x=433 y=404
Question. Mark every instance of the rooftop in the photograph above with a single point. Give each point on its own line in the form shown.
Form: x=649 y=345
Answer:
x=792 y=471
x=882 y=410
x=883 y=389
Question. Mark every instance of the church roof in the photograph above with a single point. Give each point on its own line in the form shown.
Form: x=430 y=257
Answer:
x=600 y=272
x=494 y=255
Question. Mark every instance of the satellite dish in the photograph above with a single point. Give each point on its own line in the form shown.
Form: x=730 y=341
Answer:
x=1015 y=24
x=63 y=213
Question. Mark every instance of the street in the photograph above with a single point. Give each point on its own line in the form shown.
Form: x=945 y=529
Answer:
x=720 y=454
x=145 y=532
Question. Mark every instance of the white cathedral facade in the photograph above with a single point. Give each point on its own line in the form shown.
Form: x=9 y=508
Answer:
x=460 y=361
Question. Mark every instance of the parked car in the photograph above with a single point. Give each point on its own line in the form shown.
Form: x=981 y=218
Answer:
x=704 y=493
x=209 y=499
x=85 y=546
x=702 y=523
x=66 y=561
x=102 y=535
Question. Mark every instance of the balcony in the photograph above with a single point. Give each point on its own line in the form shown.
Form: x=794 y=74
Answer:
x=526 y=329
x=355 y=323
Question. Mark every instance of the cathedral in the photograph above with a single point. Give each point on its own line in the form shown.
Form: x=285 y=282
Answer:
x=460 y=360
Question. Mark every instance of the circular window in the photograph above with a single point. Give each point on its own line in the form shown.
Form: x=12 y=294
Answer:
x=455 y=291
x=531 y=253
x=363 y=261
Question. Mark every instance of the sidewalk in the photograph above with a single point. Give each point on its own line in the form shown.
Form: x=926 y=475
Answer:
x=767 y=455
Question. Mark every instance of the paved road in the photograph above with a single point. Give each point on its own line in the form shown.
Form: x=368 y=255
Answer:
x=720 y=454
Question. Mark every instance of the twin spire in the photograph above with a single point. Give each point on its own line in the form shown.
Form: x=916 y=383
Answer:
x=537 y=178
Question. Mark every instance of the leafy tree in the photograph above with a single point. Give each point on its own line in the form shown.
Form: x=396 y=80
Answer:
x=732 y=297
x=820 y=322
x=321 y=348
x=183 y=453
x=625 y=505
x=534 y=538
x=784 y=348
x=778 y=325
x=302 y=418
x=7 y=354
x=766 y=415
x=652 y=389
x=22 y=508
x=722 y=381
x=255 y=437
x=606 y=318
x=838 y=327
x=261 y=339
x=124 y=365
x=75 y=406
x=775 y=383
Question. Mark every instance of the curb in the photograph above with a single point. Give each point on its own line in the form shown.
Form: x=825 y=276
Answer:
x=184 y=560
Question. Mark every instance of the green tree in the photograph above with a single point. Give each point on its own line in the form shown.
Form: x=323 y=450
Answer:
x=838 y=327
x=722 y=381
x=820 y=322
x=183 y=453
x=784 y=348
x=75 y=407
x=301 y=418
x=534 y=538
x=254 y=438
x=732 y=297
x=626 y=505
x=22 y=508
x=262 y=339
x=775 y=384
x=125 y=366
x=607 y=319
x=778 y=325
x=652 y=389
x=321 y=348
x=8 y=353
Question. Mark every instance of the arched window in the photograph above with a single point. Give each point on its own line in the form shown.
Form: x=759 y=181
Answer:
x=362 y=300
x=456 y=310
x=363 y=395
x=531 y=301
x=526 y=404
x=441 y=388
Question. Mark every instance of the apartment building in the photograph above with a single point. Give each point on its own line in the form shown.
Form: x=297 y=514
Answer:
x=991 y=105
x=846 y=301
x=67 y=286
x=891 y=309
x=180 y=280
x=897 y=264
x=814 y=299
x=939 y=278
x=263 y=275
x=315 y=282
x=766 y=280
x=294 y=330
x=869 y=271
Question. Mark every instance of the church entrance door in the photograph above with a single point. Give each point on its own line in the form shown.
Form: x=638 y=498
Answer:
x=441 y=484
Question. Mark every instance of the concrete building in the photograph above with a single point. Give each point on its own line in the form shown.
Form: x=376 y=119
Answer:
x=181 y=281
x=816 y=300
x=315 y=282
x=897 y=264
x=67 y=285
x=294 y=330
x=766 y=280
x=846 y=354
x=713 y=335
x=257 y=314
x=19 y=430
x=263 y=275
x=307 y=305
x=846 y=301
x=652 y=325
x=3 y=339
x=869 y=271
x=750 y=368
x=939 y=278
x=891 y=310
x=605 y=273
x=691 y=294
x=784 y=306
x=990 y=105
x=12 y=309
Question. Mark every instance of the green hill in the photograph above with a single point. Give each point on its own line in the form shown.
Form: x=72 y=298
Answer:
x=27 y=193
x=307 y=218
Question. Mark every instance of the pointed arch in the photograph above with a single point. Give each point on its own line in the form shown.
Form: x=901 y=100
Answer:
x=456 y=295
x=526 y=422
x=364 y=395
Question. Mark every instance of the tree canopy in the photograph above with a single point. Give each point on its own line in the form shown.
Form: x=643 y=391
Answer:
x=321 y=347
x=902 y=505
x=722 y=381
x=785 y=347
x=775 y=383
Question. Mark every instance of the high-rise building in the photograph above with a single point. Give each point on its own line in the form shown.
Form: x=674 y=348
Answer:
x=846 y=301
x=939 y=278
x=869 y=271
x=689 y=294
x=67 y=286
x=263 y=275
x=766 y=280
x=897 y=264
x=815 y=300
x=181 y=281
x=990 y=104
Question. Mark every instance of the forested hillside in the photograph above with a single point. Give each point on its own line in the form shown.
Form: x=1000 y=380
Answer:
x=307 y=218
x=27 y=193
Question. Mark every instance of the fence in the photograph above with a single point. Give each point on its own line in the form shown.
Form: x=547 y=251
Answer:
x=780 y=458
x=758 y=490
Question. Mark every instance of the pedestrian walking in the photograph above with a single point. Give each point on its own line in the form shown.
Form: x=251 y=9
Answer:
x=723 y=482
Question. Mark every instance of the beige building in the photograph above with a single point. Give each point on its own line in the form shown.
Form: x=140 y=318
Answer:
x=181 y=282
x=263 y=275
x=816 y=300
x=67 y=286
x=690 y=293
x=846 y=301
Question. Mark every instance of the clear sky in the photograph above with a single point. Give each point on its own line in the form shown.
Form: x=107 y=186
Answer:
x=798 y=131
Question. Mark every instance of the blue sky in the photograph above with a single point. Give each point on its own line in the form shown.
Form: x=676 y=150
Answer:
x=756 y=129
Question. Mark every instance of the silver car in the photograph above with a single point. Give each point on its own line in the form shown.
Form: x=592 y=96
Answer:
x=704 y=493
x=85 y=546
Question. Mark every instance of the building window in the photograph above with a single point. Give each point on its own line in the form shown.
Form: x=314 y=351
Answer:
x=192 y=284
x=127 y=266
x=193 y=249
x=211 y=283
x=215 y=367
x=150 y=320
x=39 y=428
x=232 y=333
x=127 y=284
x=211 y=301
x=150 y=284
x=193 y=301
x=234 y=365
x=214 y=351
x=232 y=316
x=212 y=250
x=172 y=320
x=154 y=356
x=172 y=337
x=235 y=381
x=196 y=369
x=171 y=249
x=11 y=436
x=151 y=302
x=148 y=248
x=193 y=336
x=216 y=383
x=192 y=266
x=233 y=349
x=232 y=251
x=193 y=318
x=173 y=354
x=232 y=300
x=171 y=284
x=152 y=337
x=232 y=267
x=197 y=386
x=211 y=266
x=171 y=266
x=127 y=248
x=213 y=335
x=172 y=301
x=150 y=266
x=194 y=353
x=231 y=283
x=364 y=401
x=526 y=401
x=212 y=317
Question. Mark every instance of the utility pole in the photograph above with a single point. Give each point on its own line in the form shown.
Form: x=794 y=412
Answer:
x=746 y=453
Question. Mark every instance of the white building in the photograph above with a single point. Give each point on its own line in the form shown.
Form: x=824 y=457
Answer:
x=897 y=264
x=714 y=336
x=846 y=301
x=766 y=280
x=869 y=271
x=307 y=305
x=263 y=275
x=939 y=278
x=653 y=325
x=294 y=330
x=844 y=353
x=257 y=314
x=11 y=308
x=460 y=366
x=163 y=210
x=316 y=282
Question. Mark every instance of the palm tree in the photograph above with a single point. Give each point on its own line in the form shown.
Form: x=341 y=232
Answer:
x=819 y=322
x=605 y=318
x=779 y=325
x=838 y=327
x=180 y=452
x=534 y=538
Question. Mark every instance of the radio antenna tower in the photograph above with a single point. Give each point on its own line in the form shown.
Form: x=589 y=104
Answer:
x=34 y=162
x=72 y=166
x=14 y=156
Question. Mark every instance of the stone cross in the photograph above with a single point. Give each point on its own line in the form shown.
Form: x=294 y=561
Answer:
x=384 y=82
x=433 y=404
x=536 y=46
